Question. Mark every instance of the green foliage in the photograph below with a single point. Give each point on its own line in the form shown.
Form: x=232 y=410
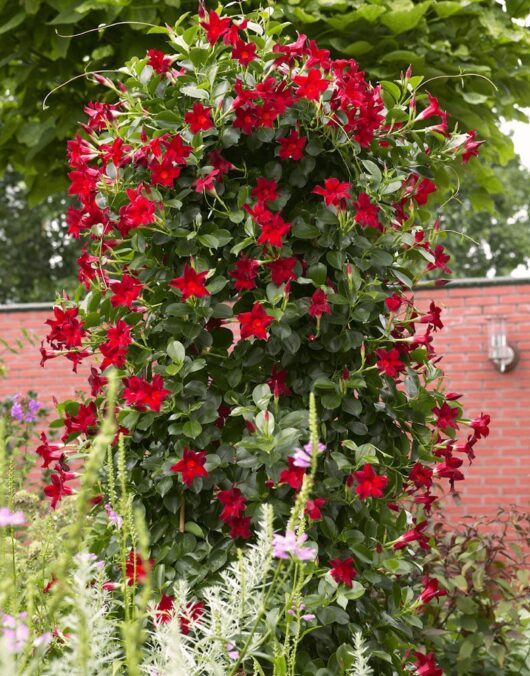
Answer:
x=483 y=626
x=221 y=404
x=495 y=230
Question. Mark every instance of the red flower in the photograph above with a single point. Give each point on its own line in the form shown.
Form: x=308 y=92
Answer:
x=319 y=304
x=432 y=109
x=206 y=182
x=135 y=569
x=240 y=528
x=234 y=503
x=366 y=213
x=294 y=476
x=292 y=146
x=413 y=535
x=255 y=322
x=49 y=452
x=273 y=231
x=446 y=416
x=158 y=61
x=114 y=349
x=265 y=190
x=191 y=614
x=277 y=382
x=431 y=590
x=394 y=302
x=199 y=118
x=191 y=466
x=83 y=422
x=164 y=173
x=440 y=260
x=246 y=118
x=421 y=475
x=58 y=486
x=389 y=362
x=335 y=192
x=142 y=394
x=245 y=272
x=342 y=571
x=310 y=86
x=370 y=484
x=215 y=27
x=125 y=291
x=163 y=609
x=312 y=508
x=244 y=52
x=425 y=665
x=282 y=270
x=419 y=189
x=448 y=469
x=66 y=329
x=191 y=283
x=139 y=211
x=470 y=146
x=433 y=316
x=480 y=425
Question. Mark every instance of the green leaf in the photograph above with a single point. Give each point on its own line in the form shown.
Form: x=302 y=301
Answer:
x=12 y=23
x=192 y=429
x=176 y=351
x=401 y=20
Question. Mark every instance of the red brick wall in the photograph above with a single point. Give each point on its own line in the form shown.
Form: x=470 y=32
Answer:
x=501 y=472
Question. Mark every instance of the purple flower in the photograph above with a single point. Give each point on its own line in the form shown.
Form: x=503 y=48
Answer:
x=232 y=653
x=15 y=632
x=9 y=518
x=33 y=409
x=114 y=517
x=289 y=544
x=302 y=456
x=17 y=412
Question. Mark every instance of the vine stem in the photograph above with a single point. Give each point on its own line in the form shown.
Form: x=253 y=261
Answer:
x=182 y=514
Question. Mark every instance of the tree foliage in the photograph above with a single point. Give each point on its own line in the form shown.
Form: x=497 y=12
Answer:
x=37 y=258
x=495 y=232
x=439 y=38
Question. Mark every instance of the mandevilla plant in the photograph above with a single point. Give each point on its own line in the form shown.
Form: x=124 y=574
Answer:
x=255 y=217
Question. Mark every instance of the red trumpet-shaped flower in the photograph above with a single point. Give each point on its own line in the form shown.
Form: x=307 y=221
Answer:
x=136 y=569
x=199 y=118
x=255 y=322
x=191 y=466
x=335 y=193
x=245 y=272
x=342 y=571
x=234 y=503
x=480 y=425
x=431 y=590
x=389 y=362
x=143 y=394
x=415 y=534
x=425 y=665
x=319 y=304
x=370 y=484
x=191 y=283
x=292 y=146
x=215 y=26
x=294 y=476
x=125 y=291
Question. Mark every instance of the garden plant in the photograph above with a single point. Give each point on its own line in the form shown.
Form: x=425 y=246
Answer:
x=255 y=216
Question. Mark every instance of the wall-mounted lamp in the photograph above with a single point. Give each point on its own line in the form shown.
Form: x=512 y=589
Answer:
x=500 y=352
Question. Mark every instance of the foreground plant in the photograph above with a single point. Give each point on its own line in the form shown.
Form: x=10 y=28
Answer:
x=255 y=217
